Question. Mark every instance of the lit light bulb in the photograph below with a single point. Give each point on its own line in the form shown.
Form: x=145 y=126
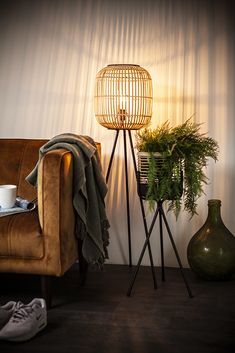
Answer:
x=122 y=109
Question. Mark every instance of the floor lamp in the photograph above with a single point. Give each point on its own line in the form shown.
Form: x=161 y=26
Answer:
x=123 y=101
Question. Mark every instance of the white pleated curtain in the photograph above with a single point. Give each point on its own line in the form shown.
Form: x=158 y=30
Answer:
x=51 y=52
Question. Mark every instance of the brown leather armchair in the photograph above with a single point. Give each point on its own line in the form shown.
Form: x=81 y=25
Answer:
x=41 y=241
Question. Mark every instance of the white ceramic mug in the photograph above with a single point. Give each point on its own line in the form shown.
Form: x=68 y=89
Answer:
x=7 y=196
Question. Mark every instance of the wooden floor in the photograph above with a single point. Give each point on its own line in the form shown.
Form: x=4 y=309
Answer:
x=99 y=317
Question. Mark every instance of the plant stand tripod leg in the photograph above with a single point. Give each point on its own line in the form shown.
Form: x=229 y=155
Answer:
x=143 y=214
x=142 y=252
x=112 y=154
x=177 y=254
x=161 y=244
x=127 y=200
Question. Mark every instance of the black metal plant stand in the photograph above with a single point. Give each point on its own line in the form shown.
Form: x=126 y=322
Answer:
x=158 y=212
x=162 y=217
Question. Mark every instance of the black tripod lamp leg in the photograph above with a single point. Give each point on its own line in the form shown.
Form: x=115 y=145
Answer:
x=143 y=214
x=132 y=152
x=127 y=199
x=177 y=255
x=112 y=154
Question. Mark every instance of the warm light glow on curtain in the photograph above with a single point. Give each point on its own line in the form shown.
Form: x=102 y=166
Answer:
x=52 y=50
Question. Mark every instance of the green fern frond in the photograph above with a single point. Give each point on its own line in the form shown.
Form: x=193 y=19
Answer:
x=182 y=143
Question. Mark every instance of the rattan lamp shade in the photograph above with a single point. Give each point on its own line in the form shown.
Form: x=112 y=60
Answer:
x=123 y=97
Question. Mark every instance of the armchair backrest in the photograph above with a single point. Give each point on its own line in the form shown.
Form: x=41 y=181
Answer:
x=17 y=158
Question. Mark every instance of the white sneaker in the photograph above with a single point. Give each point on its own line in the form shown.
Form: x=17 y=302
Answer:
x=6 y=311
x=26 y=321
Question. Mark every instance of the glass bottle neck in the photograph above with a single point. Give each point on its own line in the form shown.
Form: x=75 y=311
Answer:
x=214 y=215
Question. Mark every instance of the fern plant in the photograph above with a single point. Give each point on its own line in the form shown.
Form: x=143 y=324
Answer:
x=184 y=153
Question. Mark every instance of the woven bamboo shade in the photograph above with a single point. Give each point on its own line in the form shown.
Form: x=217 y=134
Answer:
x=123 y=97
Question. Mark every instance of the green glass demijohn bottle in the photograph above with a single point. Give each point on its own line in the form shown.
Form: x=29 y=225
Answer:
x=211 y=251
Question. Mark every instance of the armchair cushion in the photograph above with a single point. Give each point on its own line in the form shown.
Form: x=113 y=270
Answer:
x=17 y=241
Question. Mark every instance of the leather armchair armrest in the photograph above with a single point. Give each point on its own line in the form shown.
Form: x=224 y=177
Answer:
x=55 y=206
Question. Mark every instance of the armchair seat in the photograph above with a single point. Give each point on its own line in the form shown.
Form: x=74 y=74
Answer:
x=17 y=242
